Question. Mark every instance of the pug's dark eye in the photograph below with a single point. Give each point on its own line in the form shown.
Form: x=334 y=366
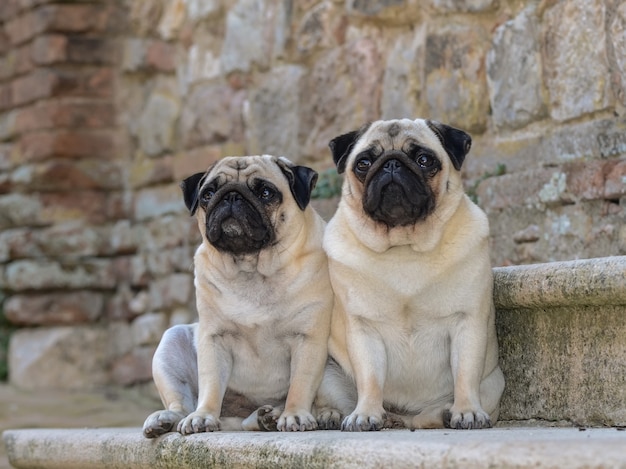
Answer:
x=363 y=165
x=265 y=193
x=207 y=196
x=425 y=161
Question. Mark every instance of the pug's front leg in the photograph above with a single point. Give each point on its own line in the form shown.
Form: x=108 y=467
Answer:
x=468 y=349
x=214 y=368
x=369 y=363
x=308 y=357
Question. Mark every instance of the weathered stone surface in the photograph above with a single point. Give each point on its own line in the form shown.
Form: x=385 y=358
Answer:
x=201 y=9
x=402 y=82
x=514 y=72
x=144 y=17
x=50 y=309
x=346 y=83
x=201 y=63
x=134 y=367
x=147 y=55
x=256 y=33
x=196 y=160
x=173 y=290
x=172 y=19
x=523 y=448
x=560 y=328
x=574 y=34
x=212 y=114
x=157 y=123
x=148 y=328
x=59 y=357
x=463 y=5
x=273 y=114
x=322 y=26
x=456 y=84
x=158 y=201
x=19 y=210
x=392 y=11
x=146 y=171
x=564 y=232
x=164 y=234
x=47 y=274
x=617 y=36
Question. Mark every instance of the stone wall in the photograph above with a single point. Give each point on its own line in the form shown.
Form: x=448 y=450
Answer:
x=106 y=105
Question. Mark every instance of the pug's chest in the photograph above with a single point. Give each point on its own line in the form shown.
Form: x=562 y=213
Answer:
x=260 y=362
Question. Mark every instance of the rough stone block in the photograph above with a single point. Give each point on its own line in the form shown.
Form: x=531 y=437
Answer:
x=68 y=357
x=201 y=63
x=134 y=367
x=66 y=143
x=53 y=49
x=20 y=210
x=145 y=171
x=157 y=201
x=456 y=83
x=273 y=113
x=321 y=27
x=514 y=72
x=346 y=84
x=64 y=113
x=148 y=328
x=574 y=33
x=392 y=11
x=212 y=114
x=402 y=82
x=54 y=309
x=561 y=330
x=46 y=83
x=156 y=130
x=188 y=162
x=464 y=5
x=148 y=55
x=170 y=291
x=256 y=32
x=172 y=19
x=44 y=274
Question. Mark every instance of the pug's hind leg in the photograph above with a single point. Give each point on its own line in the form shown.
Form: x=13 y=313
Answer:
x=176 y=378
x=264 y=419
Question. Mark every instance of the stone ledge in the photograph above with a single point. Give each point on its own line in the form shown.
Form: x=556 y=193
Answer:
x=561 y=329
x=518 y=447
x=599 y=281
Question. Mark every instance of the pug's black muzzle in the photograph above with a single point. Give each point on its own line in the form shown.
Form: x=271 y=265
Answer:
x=396 y=191
x=235 y=224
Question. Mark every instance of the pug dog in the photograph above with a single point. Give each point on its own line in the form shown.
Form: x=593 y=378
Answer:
x=264 y=302
x=413 y=340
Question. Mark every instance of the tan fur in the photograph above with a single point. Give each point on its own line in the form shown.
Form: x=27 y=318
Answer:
x=413 y=322
x=263 y=320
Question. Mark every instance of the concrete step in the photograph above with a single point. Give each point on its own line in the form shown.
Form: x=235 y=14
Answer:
x=512 y=447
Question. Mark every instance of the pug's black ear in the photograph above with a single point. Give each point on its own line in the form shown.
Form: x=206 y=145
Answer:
x=191 y=187
x=302 y=181
x=456 y=142
x=342 y=145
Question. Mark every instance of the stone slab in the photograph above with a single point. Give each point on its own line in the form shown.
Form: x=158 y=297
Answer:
x=511 y=447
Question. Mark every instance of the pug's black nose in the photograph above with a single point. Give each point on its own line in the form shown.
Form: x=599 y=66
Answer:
x=391 y=166
x=232 y=196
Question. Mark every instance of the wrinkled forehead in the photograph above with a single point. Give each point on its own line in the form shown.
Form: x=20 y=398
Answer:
x=241 y=168
x=394 y=134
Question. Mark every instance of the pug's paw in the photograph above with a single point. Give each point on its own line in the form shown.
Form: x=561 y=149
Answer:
x=160 y=422
x=466 y=419
x=199 y=422
x=328 y=419
x=296 y=421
